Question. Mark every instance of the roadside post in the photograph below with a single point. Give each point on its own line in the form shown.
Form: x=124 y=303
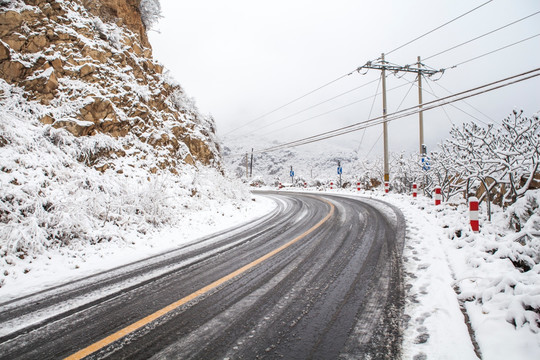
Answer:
x=292 y=176
x=414 y=190
x=473 y=214
x=438 y=195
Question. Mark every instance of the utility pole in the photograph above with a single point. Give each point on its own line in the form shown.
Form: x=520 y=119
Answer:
x=251 y=165
x=385 y=128
x=383 y=66
x=246 y=166
x=421 y=113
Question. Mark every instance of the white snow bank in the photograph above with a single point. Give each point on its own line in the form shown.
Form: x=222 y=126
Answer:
x=57 y=213
x=493 y=275
x=456 y=279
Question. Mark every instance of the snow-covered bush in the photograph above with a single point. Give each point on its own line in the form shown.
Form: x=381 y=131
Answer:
x=509 y=155
x=150 y=12
x=50 y=197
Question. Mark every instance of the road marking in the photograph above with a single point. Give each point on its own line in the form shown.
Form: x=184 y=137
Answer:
x=148 y=319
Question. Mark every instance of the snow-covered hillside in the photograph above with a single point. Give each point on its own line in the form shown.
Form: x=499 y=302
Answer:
x=98 y=145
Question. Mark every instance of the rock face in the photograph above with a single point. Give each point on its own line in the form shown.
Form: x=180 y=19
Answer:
x=88 y=68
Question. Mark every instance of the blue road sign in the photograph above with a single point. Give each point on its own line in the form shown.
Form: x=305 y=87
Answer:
x=339 y=170
x=292 y=173
x=425 y=164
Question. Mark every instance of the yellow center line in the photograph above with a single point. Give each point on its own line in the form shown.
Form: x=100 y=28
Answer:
x=148 y=319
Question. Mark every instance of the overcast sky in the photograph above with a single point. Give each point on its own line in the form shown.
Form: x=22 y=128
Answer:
x=240 y=59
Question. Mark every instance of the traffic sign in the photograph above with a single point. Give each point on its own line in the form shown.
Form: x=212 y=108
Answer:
x=339 y=170
x=425 y=164
x=292 y=173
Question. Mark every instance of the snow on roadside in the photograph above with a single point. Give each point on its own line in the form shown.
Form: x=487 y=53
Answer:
x=494 y=276
x=63 y=264
x=468 y=296
x=61 y=219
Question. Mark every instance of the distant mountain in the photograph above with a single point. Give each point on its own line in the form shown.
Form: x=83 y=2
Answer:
x=314 y=165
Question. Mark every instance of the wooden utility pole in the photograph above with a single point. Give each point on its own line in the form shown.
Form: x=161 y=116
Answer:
x=385 y=128
x=251 y=165
x=247 y=174
x=421 y=113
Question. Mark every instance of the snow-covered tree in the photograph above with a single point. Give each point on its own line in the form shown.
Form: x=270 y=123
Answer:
x=508 y=156
x=150 y=12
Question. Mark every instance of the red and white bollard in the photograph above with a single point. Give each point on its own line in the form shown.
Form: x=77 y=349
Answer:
x=473 y=214
x=386 y=187
x=414 y=190
x=331 y=185
x=280 y=186
x=358 y=186
x=438 y=196
x=305 y=184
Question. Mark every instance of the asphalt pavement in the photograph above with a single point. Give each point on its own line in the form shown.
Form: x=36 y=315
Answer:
x=320 y=277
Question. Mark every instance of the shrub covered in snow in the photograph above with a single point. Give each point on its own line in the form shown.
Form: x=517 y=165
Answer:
x=150 y=12
x=50 y=197
x=507 y=155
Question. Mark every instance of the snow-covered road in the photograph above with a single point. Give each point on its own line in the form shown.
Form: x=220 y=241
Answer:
x=464 y=298
x=320 y=276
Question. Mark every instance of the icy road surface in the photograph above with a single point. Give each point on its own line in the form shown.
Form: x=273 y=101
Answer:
x=319 y=277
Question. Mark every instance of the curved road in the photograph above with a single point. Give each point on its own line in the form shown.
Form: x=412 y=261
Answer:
x=317 y=278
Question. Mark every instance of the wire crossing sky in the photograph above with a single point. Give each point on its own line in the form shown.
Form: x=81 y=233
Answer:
x=273 y=72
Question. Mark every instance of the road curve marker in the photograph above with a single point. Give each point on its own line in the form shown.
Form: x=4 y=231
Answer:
x=154 y=316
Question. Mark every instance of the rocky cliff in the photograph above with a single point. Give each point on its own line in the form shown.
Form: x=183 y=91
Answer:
x=86 y=66
x=97 y=143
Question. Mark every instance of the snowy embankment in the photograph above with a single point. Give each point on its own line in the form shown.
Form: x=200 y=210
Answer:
x=492 y=278
x=61 y=219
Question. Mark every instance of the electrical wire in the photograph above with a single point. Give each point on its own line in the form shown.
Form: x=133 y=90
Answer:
x=310 y=107
x=442 y=107
x=331 y=111
x=375 y=143
x=491 y=52
x=432 y=92
x=481 y=36
x=289 y=103
x=438 y=27
x=410 y=111
x=370 y=111
x=470 y=105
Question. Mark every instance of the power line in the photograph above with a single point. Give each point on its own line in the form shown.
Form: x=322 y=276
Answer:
x=375 y=143
x=481 y=36
x=310 y=107
x=410 y=111
x=370 y=112
x=330 y=111
x=290 y=102
x=470 y=105
x=432 y=92
x=396 y=116
x=493 y=51
x=438 y=27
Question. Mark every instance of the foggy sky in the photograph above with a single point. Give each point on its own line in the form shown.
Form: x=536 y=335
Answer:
x=240 y=59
